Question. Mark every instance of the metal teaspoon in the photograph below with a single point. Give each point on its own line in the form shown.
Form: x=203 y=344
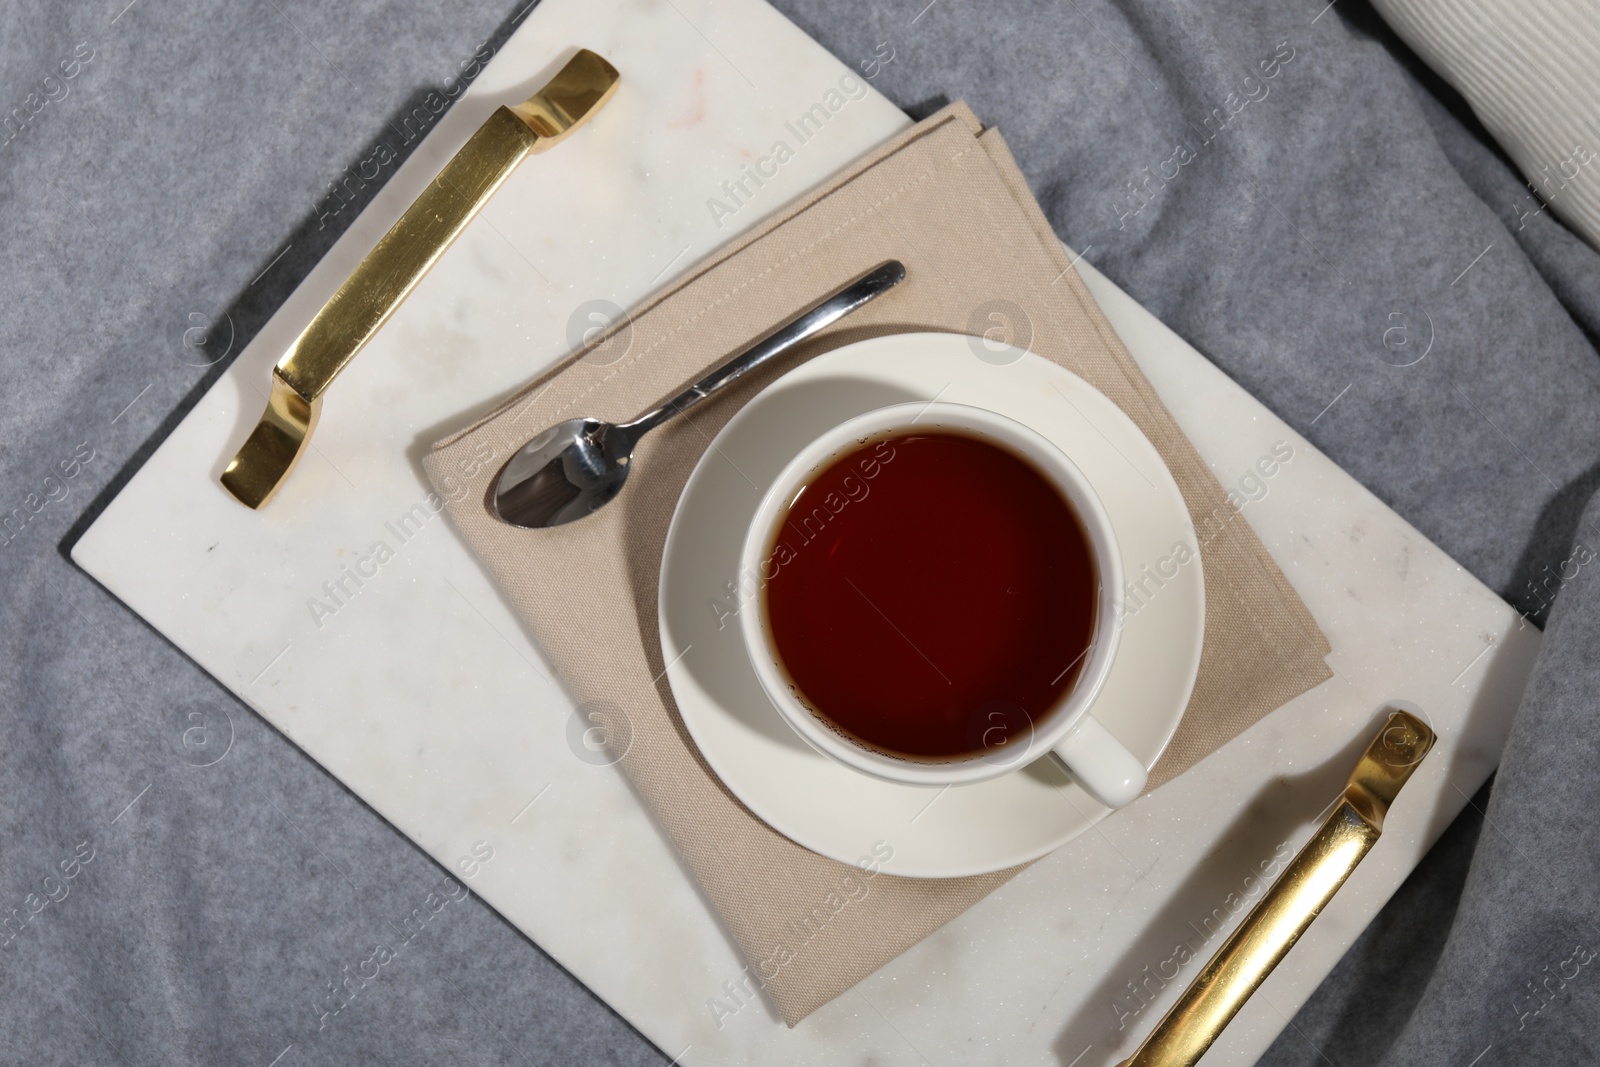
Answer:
x=579 y=466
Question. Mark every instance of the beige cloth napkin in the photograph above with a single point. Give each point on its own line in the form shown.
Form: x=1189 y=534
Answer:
x=946 y=198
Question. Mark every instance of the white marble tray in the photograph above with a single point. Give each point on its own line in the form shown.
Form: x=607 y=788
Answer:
x=478 y=750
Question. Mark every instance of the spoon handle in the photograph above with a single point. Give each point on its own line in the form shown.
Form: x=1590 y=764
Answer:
x=823 y=313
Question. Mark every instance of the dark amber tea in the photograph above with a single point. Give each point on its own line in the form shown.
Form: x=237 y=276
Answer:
x=927 y=586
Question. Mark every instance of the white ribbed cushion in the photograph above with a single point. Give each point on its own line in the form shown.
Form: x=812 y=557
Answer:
x=1531 y=71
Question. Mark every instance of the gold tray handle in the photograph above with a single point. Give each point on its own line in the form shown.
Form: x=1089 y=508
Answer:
x=1307 y=884
x=394 y=266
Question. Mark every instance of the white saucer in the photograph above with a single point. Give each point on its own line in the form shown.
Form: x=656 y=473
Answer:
x=825 y=806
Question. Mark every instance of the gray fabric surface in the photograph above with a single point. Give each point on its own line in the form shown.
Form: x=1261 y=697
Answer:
x=197 y=144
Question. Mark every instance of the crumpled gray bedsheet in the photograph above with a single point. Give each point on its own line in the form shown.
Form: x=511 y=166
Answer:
x=190 y=897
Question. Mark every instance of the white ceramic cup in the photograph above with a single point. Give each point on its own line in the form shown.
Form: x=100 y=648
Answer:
x=1068 y=730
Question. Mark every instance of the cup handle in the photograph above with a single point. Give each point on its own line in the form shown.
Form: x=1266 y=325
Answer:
x=1099 y=762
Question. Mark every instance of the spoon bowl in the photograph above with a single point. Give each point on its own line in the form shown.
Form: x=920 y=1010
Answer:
x=568 y=471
